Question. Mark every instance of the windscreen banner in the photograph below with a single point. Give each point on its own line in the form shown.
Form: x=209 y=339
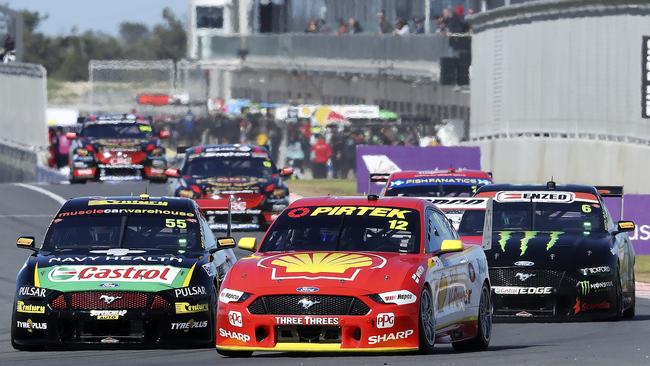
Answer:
x=390 y=159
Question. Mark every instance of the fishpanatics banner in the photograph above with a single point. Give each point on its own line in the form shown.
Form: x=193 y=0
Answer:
x=389 y=159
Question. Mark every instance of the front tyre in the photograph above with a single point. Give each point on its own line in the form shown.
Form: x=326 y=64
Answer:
x=427 y=322
x=482 y=339
x=630 y=312
x=619 y=298
x=234 y=354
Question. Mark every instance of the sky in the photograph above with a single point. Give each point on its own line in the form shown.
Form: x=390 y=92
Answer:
x=100 y=15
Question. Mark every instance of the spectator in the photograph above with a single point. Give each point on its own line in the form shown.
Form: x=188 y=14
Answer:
x=9 y=44
x=354 y=27
x=295 y=154
x=323 y=27
x=312 y=26
x=401 y=28
x=342 y=28
x=383 y=25
x=63 y=148
x=418 y=23
x=321 y=152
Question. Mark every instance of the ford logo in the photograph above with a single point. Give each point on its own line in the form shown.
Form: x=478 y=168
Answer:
x=308 y=289
x=108 y=285
x=524 y=264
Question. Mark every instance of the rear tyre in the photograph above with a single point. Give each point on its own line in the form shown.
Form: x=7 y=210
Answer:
x=482 y=339
x=427 y=322
x=619 y=298
x=630 y=312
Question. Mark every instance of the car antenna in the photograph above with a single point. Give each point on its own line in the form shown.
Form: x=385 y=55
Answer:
x=231 y=198
x=550 y=184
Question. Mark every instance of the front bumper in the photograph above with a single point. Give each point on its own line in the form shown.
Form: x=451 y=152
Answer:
x=90 y=170
x=240 y=330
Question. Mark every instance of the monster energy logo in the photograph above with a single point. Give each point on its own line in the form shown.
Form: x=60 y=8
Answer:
x=505 y=236
x=583 y=287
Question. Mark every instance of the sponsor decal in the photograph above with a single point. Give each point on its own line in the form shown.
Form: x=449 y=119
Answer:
x=595 y=270
x=235 y=319
x=307 y=289
x=109 y=299
x=317 y=265
x=523 y=277
x=30 y=325
x=143 y=274
x=385 y=320
x=186 y=308
x=21 y=307
x=107 y=314
x=514 y=290
x=31 y=291
x=109 y=340
x=98 y=211
x=526 y=236
x=126 y=202
x=524 y=264
x=524 y=314
x=471 y=271
x=580 y=306
x=234 y=335
x=390 y=336
x=418 y=273
x=360 y=211
x=306 y=303
x=190 y=324
x=227 y=295
x=400 y=297
x=189 y=291
x=306 y=320
x=535 y=196
x=585 y=287
x=109 y=285
x=460 y=181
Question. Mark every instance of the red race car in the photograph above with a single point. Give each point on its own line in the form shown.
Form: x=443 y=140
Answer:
x=356 y=274
x=434 y=183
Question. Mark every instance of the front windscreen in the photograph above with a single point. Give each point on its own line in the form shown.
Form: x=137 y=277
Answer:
x=117 y=131
x=438 y=190
x=203 y=167
x=576 y=216
x=92 y=229
x=345 y=228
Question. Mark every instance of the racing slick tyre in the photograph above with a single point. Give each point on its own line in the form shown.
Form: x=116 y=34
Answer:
x=630 y=312
x=482 y=339
x=618 y=306
x=235 y=354
x=78 y=181
x=427 y=323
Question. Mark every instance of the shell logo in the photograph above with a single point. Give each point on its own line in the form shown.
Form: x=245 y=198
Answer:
x=321 y=265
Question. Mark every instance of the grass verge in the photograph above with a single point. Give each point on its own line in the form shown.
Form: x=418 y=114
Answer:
x=642 y=268
x=322 y=187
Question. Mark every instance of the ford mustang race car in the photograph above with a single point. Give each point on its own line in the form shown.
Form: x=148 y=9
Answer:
x=555 y=253
x=242 y=176
x=356 y=274
x=121 y=271
x=112 y=148
x=437 y=183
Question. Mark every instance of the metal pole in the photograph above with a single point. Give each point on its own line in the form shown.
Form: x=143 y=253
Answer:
x=427 y=16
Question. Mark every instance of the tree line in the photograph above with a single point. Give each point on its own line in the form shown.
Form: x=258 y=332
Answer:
x=66 y=56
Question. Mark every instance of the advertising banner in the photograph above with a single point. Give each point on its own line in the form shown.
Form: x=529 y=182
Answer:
x=390 y=159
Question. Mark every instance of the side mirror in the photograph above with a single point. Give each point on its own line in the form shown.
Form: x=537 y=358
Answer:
x=247 y=244
x=164 y=134
x=286 y=172
x=624 y=226
x=26 y=242
x=172 y=173
x=451 y=246
x=71 y=135
x=225 y=243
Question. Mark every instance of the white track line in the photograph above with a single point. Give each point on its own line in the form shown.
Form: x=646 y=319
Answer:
x=40 y=190
x=20 y=216
x=643 y=290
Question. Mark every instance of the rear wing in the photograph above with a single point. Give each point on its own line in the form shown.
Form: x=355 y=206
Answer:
x=182 y=149
x=610 y=191
x=459 y=203
x=379 y=177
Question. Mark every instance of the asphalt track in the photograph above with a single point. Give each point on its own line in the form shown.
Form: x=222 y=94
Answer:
x=25 y=211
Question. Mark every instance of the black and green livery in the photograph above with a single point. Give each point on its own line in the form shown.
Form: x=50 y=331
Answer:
x=115 y=271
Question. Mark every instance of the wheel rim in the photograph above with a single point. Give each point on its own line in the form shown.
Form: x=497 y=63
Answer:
x=485 y=314
x=426 y=313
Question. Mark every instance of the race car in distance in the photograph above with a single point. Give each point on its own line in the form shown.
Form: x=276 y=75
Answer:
x=243 y=176
x=121 y=271
x=436 y=183
x=555 y=253
x=356 y=274
x=117 y=148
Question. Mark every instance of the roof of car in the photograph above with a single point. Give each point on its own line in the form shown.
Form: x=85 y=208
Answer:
x=403 y=202
x=440 y=173
x=537 y=187
x=241 y=149
x=142 y=201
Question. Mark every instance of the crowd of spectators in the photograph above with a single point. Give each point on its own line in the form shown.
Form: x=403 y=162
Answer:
x=451 y=21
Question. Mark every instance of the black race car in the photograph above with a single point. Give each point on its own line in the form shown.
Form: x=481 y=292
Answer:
x=117 y=148
x=555 y=253
x=121 y=271
x=240 y=176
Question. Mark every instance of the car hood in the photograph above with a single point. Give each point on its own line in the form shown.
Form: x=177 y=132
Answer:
x=109 y=144
x=231 y=184
x=364 y=272
x=548 y=249
x=133 y=272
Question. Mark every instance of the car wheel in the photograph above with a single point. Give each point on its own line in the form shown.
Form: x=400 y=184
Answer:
x=427 y=323
x=630 y=312
x=618 y=306
x=482 y=339
x=234 y=354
